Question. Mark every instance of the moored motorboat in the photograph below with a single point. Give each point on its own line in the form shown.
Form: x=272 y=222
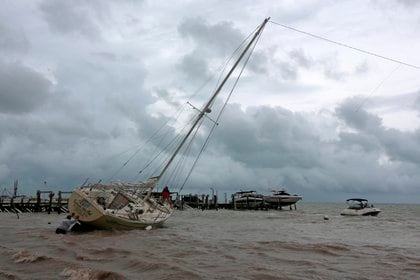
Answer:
x=248 y=200
x=282 y=198
x=360 y=207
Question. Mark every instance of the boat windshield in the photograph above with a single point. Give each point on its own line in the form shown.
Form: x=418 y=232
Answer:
x=357 y=203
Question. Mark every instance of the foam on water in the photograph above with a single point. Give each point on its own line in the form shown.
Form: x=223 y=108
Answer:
x=25 y=256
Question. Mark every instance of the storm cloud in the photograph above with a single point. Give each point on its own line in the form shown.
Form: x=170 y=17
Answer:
x=23 y=90
x=85 y=86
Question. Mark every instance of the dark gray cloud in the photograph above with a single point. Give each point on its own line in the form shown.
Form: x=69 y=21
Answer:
x=74 y=17
x=356 y=118
x=394 y=103
x=289 y=65
x=409 y=3
x=258 y=63
x=220 y=38
x=106 y=55
x=274 y=146
x=22 y=90
x=399 y=146
x=416 y=104
x=265 y=133
x=13 y=39
x=194 y=66
x=213 y=44
x=297 y=60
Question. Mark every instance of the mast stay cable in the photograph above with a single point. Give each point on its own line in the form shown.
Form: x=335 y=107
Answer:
x=221 y=111
x=346 y=46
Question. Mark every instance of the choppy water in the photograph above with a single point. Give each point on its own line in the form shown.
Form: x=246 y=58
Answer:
x=221 y=244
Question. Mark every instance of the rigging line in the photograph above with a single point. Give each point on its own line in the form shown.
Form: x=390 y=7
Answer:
x=183 y=166
x=182 y=162
x=152 y=159
x=223 y=66
x=232 y=56
x=377 y=87
x=173 y=142
x=346 y=46
x=180 y=165
x=163 y=136
x=180 y=109
x=237 y=79
x=220 y=113
x=210 y=101
x=168 y=176
x=157 y=155
x=204 y=146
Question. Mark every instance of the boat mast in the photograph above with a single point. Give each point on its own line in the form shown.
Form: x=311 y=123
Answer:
x=208 y=104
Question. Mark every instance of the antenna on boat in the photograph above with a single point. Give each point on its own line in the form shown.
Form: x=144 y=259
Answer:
x=207 y=106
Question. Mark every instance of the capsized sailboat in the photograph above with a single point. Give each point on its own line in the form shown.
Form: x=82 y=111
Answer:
x=131 y=205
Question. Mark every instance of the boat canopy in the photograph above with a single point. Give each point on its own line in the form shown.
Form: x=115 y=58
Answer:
x=357 y=199
x=245 y=192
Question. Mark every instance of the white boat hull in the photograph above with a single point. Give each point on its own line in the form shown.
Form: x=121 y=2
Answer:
x=283 y=200
x=94 y=215
x=369 y=211
x=248 y=203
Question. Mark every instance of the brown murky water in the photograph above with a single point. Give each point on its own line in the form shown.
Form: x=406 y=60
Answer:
x=221 y=245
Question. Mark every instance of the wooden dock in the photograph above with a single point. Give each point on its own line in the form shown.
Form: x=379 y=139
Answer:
x=48 y=201
x=44 y=201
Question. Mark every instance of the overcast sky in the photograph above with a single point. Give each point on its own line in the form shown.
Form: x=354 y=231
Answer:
x=84 y=84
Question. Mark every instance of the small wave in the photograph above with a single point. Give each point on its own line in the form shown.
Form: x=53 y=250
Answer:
x=415 y=264
x=301 y=263
x=90 y=274
x=87 y=258
x=182 y=274
x=142 y=266
x=110 y=252
x=324 y=249
x=7 y=275
x=269 y=277
x=27 y=257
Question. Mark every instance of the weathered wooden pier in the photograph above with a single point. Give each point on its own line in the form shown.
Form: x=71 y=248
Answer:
x=48 y=201
x=44 y=201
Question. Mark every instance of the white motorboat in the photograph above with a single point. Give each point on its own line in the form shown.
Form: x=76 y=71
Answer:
x=282 y=198
x=131 y=205
x=248 y=200
x=360 y=207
